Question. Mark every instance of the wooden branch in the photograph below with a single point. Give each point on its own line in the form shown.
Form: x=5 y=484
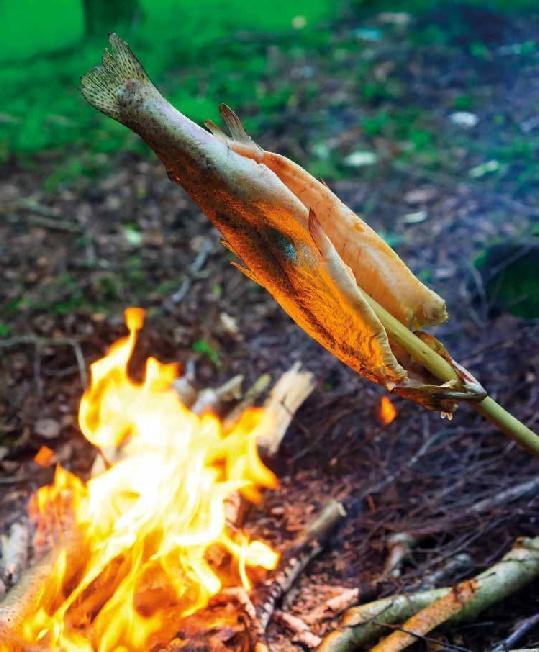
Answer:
x=428 y=618
x=294 y=561
x=361 y=625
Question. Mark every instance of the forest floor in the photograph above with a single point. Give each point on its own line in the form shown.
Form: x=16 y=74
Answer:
x=426 y=126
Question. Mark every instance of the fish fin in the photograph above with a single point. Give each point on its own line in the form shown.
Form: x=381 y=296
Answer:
x=245 y=270
x=103 y=85
x=234 y=124
x=235 y=127
x=216 y=130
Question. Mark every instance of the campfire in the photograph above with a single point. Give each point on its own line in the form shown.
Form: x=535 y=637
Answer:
x=145 y=542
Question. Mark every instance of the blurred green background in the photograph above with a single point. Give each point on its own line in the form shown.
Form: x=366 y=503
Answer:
x=45 y=45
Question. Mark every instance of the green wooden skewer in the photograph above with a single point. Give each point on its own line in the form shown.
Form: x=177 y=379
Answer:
x=441 y=369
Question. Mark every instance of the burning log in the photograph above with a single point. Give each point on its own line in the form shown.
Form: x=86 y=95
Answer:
x=427 y=609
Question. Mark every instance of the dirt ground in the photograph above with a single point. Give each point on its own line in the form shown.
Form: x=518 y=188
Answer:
x=73 y=257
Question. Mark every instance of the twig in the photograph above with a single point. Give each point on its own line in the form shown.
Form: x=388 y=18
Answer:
x=460 y=563
x=193 y=271
x=440 y=368
x=334 y=606
x=48 y=217
x=518 y=633
x=529 y=487
x=251 y=395
x=211 y=400
x=295 y=560
x=301 y=631
x=365 y=623
x=40 y=342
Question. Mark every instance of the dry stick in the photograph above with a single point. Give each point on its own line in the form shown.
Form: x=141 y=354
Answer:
x=42 y=342
x=530 y=487
x=251 y=395
x=286 y=396
x=294 y=561
x=441 y=369
x=521 y=629
x=300 y=630
x=361 y=625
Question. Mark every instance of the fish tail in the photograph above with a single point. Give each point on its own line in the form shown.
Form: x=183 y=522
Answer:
x=104 y=86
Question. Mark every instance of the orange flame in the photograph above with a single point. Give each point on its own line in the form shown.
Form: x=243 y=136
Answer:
x=387 y=411
x=146 y=526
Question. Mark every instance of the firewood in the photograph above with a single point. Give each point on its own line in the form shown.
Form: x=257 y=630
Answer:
x=251 y=395
x=430 y=617
x=361 y=625
x=522 y=628
x=290 y=391
x=23 y=596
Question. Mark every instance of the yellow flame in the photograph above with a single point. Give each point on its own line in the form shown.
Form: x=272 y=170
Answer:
x=145 y=527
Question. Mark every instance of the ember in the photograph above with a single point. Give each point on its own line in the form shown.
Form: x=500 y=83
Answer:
x=387 y=412
x=147 y=528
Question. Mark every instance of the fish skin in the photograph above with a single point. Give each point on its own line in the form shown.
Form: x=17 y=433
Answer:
x=285 y=243
x=374 y=264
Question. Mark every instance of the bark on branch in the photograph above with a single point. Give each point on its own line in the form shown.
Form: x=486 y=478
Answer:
x=364 y=624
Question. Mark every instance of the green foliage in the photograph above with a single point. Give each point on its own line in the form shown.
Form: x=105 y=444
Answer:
x=41 y=104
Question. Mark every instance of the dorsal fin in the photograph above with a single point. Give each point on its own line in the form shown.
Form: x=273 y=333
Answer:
x=235 y=126
x=216 y=131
